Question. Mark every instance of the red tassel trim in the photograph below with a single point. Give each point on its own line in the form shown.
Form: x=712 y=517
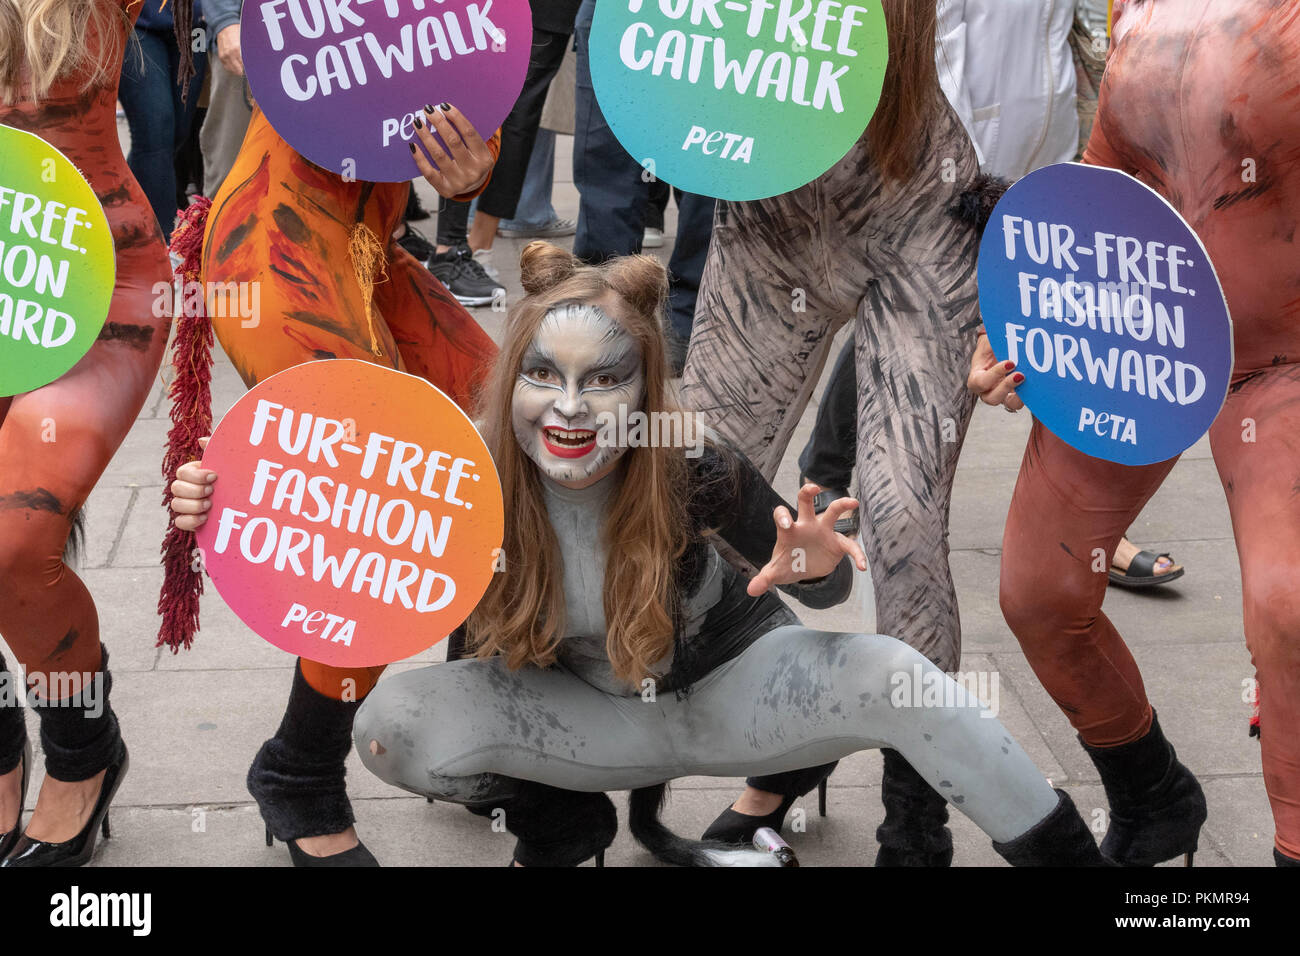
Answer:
x=191 y=415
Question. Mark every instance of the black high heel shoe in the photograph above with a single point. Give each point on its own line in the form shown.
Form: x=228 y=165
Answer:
x=732 y=826
x=357 y=856
x=78 y=850
x=9 y=840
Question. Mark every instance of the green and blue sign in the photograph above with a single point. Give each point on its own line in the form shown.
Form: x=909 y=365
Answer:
x=738 y=100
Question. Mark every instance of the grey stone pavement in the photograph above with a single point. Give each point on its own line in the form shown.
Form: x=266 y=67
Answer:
x=194 y=720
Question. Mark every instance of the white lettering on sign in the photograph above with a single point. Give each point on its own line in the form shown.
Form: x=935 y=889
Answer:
x=718 y=143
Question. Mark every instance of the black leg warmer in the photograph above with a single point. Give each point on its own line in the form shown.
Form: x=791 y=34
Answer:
x=555 y=827
x=297 y=776
x=13 y=728
x=79 y=734
x=913 y=833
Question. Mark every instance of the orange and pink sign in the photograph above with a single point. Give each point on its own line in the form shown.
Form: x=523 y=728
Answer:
x=357 y=518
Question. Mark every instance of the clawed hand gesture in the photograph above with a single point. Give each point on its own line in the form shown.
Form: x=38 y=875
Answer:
x=808 y=547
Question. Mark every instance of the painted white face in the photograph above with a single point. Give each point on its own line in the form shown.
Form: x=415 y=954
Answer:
x=580 y=364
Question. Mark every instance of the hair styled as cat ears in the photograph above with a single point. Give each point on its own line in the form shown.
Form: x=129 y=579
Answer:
x=642 y=281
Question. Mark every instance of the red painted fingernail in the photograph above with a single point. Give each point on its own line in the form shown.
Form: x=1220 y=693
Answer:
x=1010 y=366
x=1018 y=378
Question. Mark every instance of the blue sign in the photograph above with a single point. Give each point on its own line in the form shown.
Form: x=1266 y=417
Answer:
x=1108 y=303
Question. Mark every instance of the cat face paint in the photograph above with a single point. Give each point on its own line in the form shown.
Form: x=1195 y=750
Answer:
x=580 y=365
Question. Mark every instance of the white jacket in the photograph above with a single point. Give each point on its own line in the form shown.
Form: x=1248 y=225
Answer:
x=1007 y=69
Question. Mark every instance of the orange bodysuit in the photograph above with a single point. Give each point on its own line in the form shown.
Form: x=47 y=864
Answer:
x=56 y=441
x=1200 y=101
x=287 y=225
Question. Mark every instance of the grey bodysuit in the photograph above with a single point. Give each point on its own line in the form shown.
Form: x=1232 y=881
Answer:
x=765 y=694
x=577 y=517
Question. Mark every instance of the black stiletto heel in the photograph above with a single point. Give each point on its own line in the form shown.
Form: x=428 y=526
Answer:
x=600 y=858
x=9 y=840
x=732 y=826
x=1187 y=860
x=357 y=856
x=78 y=850
x=821 y=798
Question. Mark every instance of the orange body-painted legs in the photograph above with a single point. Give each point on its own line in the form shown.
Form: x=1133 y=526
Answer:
x=55 y=443
x=1068 y=513
x=289 y=230
x=1256 y=443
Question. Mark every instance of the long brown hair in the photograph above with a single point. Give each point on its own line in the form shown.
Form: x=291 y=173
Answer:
x=52 y=39
x=522 y=615
x=910 y=90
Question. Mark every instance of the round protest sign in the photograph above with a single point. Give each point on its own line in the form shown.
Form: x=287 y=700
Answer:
x=738 y=100
x=57 y=266
x=343 y=81
x=1108 y=303
x=357 y=516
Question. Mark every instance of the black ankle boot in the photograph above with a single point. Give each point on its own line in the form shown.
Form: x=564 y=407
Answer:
x=297 y=778
x=1281 y=859
x=1060 y=839
x=1156 y=805
x=913 y=833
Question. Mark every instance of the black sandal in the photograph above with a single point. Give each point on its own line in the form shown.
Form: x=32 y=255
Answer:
x=1141 y=571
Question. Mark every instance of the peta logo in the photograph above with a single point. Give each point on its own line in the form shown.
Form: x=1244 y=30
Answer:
x=712 y=144
x=1107 y=425
x=77 y=909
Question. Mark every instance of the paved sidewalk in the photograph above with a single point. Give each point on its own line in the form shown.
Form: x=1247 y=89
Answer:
x=194 y=720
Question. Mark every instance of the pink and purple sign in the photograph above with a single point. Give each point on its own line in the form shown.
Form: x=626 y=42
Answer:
x=1106 y=300
x=343 y=81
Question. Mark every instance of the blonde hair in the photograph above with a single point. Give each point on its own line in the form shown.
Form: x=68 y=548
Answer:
x=53 y=39
x=522 y=615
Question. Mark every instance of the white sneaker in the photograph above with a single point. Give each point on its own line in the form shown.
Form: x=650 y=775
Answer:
x=653 y=239
x=484 y=258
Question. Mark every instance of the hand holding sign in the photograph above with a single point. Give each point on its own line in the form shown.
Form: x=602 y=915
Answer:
x=464 y=164
x=1104 y=299
x=57 y=266
x=993 y=381
x=358 y=516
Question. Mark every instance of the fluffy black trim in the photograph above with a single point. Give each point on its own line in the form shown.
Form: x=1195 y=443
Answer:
x=975 y=205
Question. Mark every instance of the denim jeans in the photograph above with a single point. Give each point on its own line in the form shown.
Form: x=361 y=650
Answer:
x=534 y=209
x=158 y=117
x=615 y=189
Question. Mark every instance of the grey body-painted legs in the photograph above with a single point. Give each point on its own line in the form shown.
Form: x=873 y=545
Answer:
x=795 y=698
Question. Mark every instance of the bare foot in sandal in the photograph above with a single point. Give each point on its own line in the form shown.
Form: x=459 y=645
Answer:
x=1135 y=568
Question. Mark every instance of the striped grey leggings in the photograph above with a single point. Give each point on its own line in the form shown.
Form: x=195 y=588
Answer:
x=783 y=276
x=464 y=731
